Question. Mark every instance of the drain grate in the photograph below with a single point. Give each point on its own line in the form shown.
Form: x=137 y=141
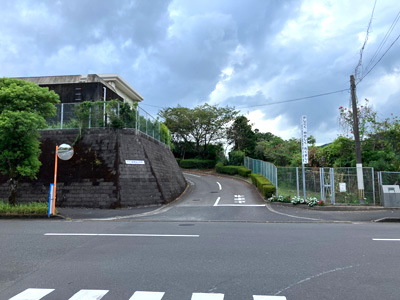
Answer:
x=186 y=224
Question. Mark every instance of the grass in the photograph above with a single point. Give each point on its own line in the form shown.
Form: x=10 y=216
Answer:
x=286 y=191
x=32 y=208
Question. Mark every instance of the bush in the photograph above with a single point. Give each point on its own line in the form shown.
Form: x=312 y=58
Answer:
x=268 y=190
x=244 y=172
x=236 y=158
x=197 y=164
x=230 y=170
x=178 y=160
x=265 y=186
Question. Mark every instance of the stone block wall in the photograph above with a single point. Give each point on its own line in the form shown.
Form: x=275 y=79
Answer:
x=98 y=175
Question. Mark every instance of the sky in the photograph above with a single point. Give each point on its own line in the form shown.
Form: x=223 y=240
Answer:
x=247 y=54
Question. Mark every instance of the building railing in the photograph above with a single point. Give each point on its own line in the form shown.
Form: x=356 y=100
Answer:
x=77 y=116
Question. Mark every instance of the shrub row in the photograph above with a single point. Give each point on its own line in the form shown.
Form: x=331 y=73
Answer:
x=232 y=170
x=265 y=186
x=196 y=164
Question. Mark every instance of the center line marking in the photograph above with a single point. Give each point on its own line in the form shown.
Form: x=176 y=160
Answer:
x=397 y=240
x=220 y=187
x=216 y=202
x=122 y=234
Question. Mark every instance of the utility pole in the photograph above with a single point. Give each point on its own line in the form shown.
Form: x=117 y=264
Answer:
x=360 y=177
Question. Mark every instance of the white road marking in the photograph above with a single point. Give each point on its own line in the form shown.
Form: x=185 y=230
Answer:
x=207 y=296
x=220 y=187
x=147 y=296
x=242 y=205
x=32 y=294
x=239 y=199
x=37 y=294
x=122 y=234
x=392 y=240
x=216 y=202
x=192 y=174
x=279 y=213
x=269 y=297
x=89 y=295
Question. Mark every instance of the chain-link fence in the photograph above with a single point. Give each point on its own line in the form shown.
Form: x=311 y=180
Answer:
x=333 y=185
x=98 y=115
x=264 y=168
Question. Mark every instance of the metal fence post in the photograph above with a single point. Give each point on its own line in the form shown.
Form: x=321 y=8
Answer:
x=332 y=175
x=62 y=115
x=276 y=179
x=90 y=117
x=297 y=181
x=373 y=184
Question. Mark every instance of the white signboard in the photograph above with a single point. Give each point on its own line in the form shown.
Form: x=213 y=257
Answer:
x=342 y=187
x=134 y=162
x=304 y=143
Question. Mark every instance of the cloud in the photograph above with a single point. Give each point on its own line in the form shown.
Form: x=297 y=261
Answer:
x=243 y=54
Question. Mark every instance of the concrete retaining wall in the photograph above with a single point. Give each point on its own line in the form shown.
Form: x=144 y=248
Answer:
x=98 y=175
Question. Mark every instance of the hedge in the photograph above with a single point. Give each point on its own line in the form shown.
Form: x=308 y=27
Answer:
x=231 y=170
x=197 y=164
x=265 y=186
x=244 y=172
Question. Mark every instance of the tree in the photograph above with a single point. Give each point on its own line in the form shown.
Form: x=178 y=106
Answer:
x=242 y=136
x=23 y=109
x=204 y=125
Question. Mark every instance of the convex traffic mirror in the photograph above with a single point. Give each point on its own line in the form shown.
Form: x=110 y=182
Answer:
x=65 y=151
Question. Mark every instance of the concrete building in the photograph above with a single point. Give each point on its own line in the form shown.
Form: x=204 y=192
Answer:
x=91 y=87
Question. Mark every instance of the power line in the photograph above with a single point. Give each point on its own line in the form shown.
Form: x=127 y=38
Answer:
x=379 y=59
x=296 y=99
x=356 y=72
x=384 y=40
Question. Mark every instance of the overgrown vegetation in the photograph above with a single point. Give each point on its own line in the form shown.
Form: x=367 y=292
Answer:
x=197 y=164
x=23 y=109
x=32 y=208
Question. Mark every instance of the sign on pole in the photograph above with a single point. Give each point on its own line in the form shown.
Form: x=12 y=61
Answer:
x=304 y=151
x=304 y=143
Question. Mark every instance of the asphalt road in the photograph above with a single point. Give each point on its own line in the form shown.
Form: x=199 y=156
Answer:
x=202 y=248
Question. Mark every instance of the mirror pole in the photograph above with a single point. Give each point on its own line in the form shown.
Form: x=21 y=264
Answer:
x=55 y=181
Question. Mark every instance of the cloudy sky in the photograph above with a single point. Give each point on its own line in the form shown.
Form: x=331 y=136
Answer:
x=243 y=53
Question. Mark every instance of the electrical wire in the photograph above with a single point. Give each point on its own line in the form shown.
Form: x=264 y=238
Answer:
x=296 y=99
x=356 y=72
x=379 y=59
x=384 y=40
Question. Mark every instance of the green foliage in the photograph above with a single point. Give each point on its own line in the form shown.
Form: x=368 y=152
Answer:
x=266 y=188
x=230 y=170
x=236 y=157
x=197 y=164
x=33 y=208
x=19 y=144
x=165 y=135
x=203 y=125
x=243 y=171
x=23 y=109
x=19 y=95
x=242 y=136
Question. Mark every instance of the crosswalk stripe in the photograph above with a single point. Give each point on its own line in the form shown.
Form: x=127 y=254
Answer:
x=89 y=295
x=269 y=297
x=147 y=296
x=32 y=294
x=207 y=296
